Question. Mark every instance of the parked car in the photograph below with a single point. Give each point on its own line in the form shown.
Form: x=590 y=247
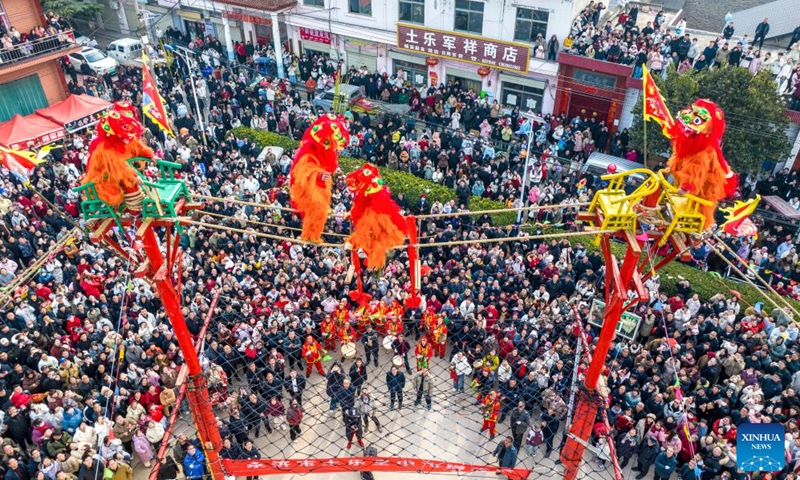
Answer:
x=356 y=101
x=96 y=61
x=82 y=40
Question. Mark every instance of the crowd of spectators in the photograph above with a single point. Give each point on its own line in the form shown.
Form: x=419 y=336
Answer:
x=659 y=47
x=16 y=45
x=510 y=306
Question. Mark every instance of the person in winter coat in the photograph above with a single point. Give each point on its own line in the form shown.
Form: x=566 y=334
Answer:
x=194 y=463
x=648 y=453
x=18 y=427
x=91 y=469
x=665 y=464
x=352 y=427
x=520 y=421
x=506 y=453
x=334 y=386
x=626 y=445
x=460 y=368
x=121 y=470
x=250 y=452
x=423 y=384
x=395 y=382
x=365 y=403
x=294 y=416
x=168 y=470
x=534 y=439
x=143 y=448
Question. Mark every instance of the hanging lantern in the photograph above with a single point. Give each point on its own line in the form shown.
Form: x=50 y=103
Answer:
x=432 y=61
x=484 y=71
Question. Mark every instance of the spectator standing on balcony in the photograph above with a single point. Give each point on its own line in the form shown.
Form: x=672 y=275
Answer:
x=761 y=33
x=795 y=38
x=552 y=48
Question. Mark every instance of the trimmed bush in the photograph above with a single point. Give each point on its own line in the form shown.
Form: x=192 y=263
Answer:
x=411 y=186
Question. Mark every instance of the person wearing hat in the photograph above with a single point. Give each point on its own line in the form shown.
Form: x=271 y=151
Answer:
x=648 y=453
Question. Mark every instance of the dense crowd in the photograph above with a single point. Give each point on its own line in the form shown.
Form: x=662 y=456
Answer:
x=659 y=47
x=16 y=45
x=508 y=308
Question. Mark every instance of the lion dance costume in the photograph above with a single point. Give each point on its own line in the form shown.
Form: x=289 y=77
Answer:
x=697 y=162
x=378 y=226
x=310 y=178
x=117 y=183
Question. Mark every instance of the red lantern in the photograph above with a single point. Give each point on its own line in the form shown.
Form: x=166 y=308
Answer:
x=432 y=61
x=484 y=71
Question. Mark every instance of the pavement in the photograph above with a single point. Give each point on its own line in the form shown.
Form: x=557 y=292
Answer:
x=450 y=432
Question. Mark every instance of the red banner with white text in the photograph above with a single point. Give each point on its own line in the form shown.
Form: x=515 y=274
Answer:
x=254 y=468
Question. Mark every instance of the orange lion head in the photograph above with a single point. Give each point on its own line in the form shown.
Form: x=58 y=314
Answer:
x=703 y=117
x=365 y=181
x=329 y=131
x=122 y=122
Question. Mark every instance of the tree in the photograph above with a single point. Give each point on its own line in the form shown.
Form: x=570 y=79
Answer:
x=754 y=113
x=70 y=9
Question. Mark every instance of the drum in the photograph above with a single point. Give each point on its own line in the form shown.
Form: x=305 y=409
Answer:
x=388 y=340
x=349 y=350
x=397 y=361
x=442 y=339
x=477 y=363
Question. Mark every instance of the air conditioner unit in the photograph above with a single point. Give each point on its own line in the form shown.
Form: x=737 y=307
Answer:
x=113 y=5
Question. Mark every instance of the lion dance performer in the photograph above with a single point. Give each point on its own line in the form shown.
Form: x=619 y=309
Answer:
x=378 y=225
x=697 y=162
x=116 y=182
x=490 y=408
x=313 y=352
x=696 y=134
x=311 y=177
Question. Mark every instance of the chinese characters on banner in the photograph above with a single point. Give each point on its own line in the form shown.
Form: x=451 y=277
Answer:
x=312 y=35
x=254 y=468
x=482 y=51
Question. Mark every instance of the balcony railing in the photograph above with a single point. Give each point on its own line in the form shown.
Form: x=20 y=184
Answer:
x=30 y=49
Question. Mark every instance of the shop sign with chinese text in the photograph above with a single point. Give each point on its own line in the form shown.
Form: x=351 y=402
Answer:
x=465 y=48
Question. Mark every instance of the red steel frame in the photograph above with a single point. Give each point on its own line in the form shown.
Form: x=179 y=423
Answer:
x=619 y=280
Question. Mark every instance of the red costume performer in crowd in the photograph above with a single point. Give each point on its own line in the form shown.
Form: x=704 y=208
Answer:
x=312 y=352
x=490 y=407
x=423 y=353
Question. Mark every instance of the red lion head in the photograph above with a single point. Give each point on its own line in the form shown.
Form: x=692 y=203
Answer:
x=365 y=181
x=329 y=131
x=122 y=122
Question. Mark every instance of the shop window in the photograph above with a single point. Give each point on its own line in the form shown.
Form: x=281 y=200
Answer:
x=522 y=96
x=530 y=24
x=361 y=7
x=469 y=16
x=412 y=11
x=23 y=96
x=415 y=73
x=314 y=3
x=466 y=83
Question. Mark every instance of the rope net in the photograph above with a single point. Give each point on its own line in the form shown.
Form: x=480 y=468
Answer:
x=487 y=366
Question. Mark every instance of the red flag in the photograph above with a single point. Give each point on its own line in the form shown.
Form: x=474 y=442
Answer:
x=21 y=162
x=655 y=108
x=152 y=105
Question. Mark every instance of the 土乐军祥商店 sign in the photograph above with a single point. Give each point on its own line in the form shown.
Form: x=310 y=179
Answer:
x=462 y=47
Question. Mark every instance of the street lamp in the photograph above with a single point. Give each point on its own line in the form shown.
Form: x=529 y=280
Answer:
x=188 y=62
x=530 y=117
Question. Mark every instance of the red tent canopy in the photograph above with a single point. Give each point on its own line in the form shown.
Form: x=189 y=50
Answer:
x=75 y=112
x=19 y=131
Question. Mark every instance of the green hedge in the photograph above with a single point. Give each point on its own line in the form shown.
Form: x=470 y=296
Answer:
x=411 y=186
x=703 y=283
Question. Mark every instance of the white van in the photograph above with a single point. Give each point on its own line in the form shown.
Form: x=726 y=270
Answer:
x=125 y=50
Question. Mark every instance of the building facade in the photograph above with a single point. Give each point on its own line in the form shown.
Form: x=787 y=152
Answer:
x=29 y=81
